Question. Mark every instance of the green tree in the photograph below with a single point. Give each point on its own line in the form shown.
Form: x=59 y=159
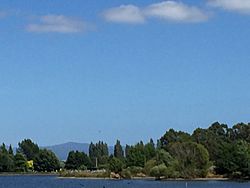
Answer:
x=20 y=163
x=235 y=159
x=6 y=160
x=212 y=139
x=3 y=149
x=159 y=171
x=193 y=159
x=11 y=151
x=29 y=149
x=118 y=150
x=46 y=161
x=115 y=165
x=240 y=131
x=173 y=136
x=99 y=152
x=135 y=155
x=150 y=150
x=77 y=160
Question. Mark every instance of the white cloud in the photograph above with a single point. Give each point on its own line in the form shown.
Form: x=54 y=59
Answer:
x=176 y=12
x=124 y=14
x=240 y=6
x=57 y=24
x=166 y=10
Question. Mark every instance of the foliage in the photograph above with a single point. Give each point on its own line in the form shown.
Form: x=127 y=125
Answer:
x=149 y=165
x=99 y=152
x=126 y=174
x=236 y=159
x=115 y=165
x=193 y=159
x=46 y=161
x=118 y=150
x=158 y=171
x=29 y=149
x=176 y=155
x=20 y=163
x=77 y=160
x=149 y=150
x=173 y=136
x=135 y=155
x=6 y=160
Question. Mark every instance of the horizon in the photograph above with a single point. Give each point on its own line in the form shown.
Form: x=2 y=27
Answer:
x=105 y=70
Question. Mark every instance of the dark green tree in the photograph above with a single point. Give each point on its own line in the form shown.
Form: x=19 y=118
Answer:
x=136 y=155
x=193 y=159
x=115 y=165
x=20 y=163
x=234 y=160
x=118 y=150
x=149 y=150
x=29 y=149
x=173 y=136
x=77 y=160
x=99 y=153
x=46 y=161
x=11 y=151
x=6 y=160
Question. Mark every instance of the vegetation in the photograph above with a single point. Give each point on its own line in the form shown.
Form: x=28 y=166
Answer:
x=28 y=158
x=218 y=149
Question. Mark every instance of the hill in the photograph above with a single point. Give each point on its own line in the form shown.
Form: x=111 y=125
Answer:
x=62 y=150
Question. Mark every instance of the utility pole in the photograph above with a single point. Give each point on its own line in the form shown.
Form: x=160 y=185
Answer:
x=96 y=163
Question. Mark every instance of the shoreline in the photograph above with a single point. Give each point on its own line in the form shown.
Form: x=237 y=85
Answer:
x=122 y=179
x=148 y=179
x=29 y=174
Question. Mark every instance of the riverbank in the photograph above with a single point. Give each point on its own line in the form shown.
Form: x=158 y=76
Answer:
x=29 y=174
x=148 y=179
x=102 y=177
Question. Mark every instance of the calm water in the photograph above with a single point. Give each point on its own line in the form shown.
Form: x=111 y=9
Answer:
x=53 y=182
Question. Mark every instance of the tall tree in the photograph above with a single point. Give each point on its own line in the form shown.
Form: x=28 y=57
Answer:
x=136 y=155
x=99 y=153
x=6 y=160
x=173 y=136
x=150 y=150
x=11 y=151
x=77 y=160
x=29 y=149
x=118 y=150
x=20 y=163
x=46 y=161
x=193 y=159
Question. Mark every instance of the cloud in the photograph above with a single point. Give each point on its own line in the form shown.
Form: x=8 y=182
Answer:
x=240 y=6
x=166 y=10
x=124 y=14
x=57 y=24
x=176 y=12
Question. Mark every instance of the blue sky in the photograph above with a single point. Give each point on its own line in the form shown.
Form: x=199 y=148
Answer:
x=89 y=70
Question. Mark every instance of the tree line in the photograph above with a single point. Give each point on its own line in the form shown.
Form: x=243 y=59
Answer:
x=217 y=150
x=28 y=158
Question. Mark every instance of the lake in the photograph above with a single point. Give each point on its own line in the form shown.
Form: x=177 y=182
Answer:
x=54 y=182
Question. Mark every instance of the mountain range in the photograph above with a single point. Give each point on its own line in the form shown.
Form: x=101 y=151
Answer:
x=62 y=150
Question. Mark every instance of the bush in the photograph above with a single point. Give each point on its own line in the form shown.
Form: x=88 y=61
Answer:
x=126 y=174
x=115 y=165
x=135 y=170
x=159 y=171
x=149 y=165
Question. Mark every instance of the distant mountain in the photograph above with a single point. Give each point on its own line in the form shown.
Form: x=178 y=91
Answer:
x=62 y=150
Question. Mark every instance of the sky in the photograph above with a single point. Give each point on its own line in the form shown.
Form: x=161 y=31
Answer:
x=82 y=71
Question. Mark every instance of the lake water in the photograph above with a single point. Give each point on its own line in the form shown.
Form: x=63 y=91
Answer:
x=54 y=182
